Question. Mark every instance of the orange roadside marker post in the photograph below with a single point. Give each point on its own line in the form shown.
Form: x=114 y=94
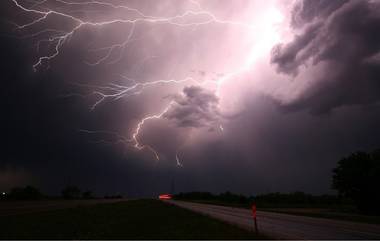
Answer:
x=254 y=217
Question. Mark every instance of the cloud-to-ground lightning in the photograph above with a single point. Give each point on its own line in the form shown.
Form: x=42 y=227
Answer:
x=58 y=38
x=179 y=163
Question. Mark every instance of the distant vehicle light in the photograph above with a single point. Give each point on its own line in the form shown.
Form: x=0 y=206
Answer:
x=165 y=196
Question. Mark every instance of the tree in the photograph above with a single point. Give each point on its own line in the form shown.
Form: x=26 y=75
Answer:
x=25 y=193
x=357 y=177
x=87 y=195
x=71 y=192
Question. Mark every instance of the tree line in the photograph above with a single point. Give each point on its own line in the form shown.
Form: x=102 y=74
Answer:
x=356 y=179
x=32 y=193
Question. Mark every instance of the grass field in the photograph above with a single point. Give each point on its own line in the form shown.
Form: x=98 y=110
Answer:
x=137 y=219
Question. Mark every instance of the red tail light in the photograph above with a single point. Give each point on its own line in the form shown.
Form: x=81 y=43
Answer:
x=165 y=196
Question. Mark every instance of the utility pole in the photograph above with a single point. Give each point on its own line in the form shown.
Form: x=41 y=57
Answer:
x=172 y=187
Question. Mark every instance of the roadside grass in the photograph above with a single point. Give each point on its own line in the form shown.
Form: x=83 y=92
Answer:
x=326 y=213
x=344 y=213
x=217 y=202
x=135 y=219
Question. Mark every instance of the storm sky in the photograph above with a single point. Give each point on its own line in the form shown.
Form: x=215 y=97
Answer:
x=247 y=96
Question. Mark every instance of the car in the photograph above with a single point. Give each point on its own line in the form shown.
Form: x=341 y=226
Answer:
x=165 y=196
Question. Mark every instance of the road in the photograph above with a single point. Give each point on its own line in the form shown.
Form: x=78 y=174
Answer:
x=285 y=226
x=8 y=208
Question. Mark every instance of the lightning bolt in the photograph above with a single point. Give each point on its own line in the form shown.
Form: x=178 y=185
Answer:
x=120 y=91
x=135 y=134
x=179 y=163
x=57 y=39
x=60 y=39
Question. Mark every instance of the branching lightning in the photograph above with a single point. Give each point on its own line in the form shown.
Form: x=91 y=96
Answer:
x=135 y=134
x=58 y=37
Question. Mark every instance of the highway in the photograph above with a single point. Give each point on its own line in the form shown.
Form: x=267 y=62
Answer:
x=8 y=208
x=285 y=226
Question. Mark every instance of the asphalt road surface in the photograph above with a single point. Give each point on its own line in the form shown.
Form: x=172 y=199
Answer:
x=8 y=208
x=285 y=226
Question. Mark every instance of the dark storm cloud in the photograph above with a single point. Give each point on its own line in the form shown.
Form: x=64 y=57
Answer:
x=261 y=149
x=308 y=10
x=290 y=56
x=344 y=37
x=43 y=111
x=41 y=143
x=196 y=107
x=266 y=150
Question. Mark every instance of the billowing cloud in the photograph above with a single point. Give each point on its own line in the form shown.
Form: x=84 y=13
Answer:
x=342 y=39
x=309 y=10
x=195 y=107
